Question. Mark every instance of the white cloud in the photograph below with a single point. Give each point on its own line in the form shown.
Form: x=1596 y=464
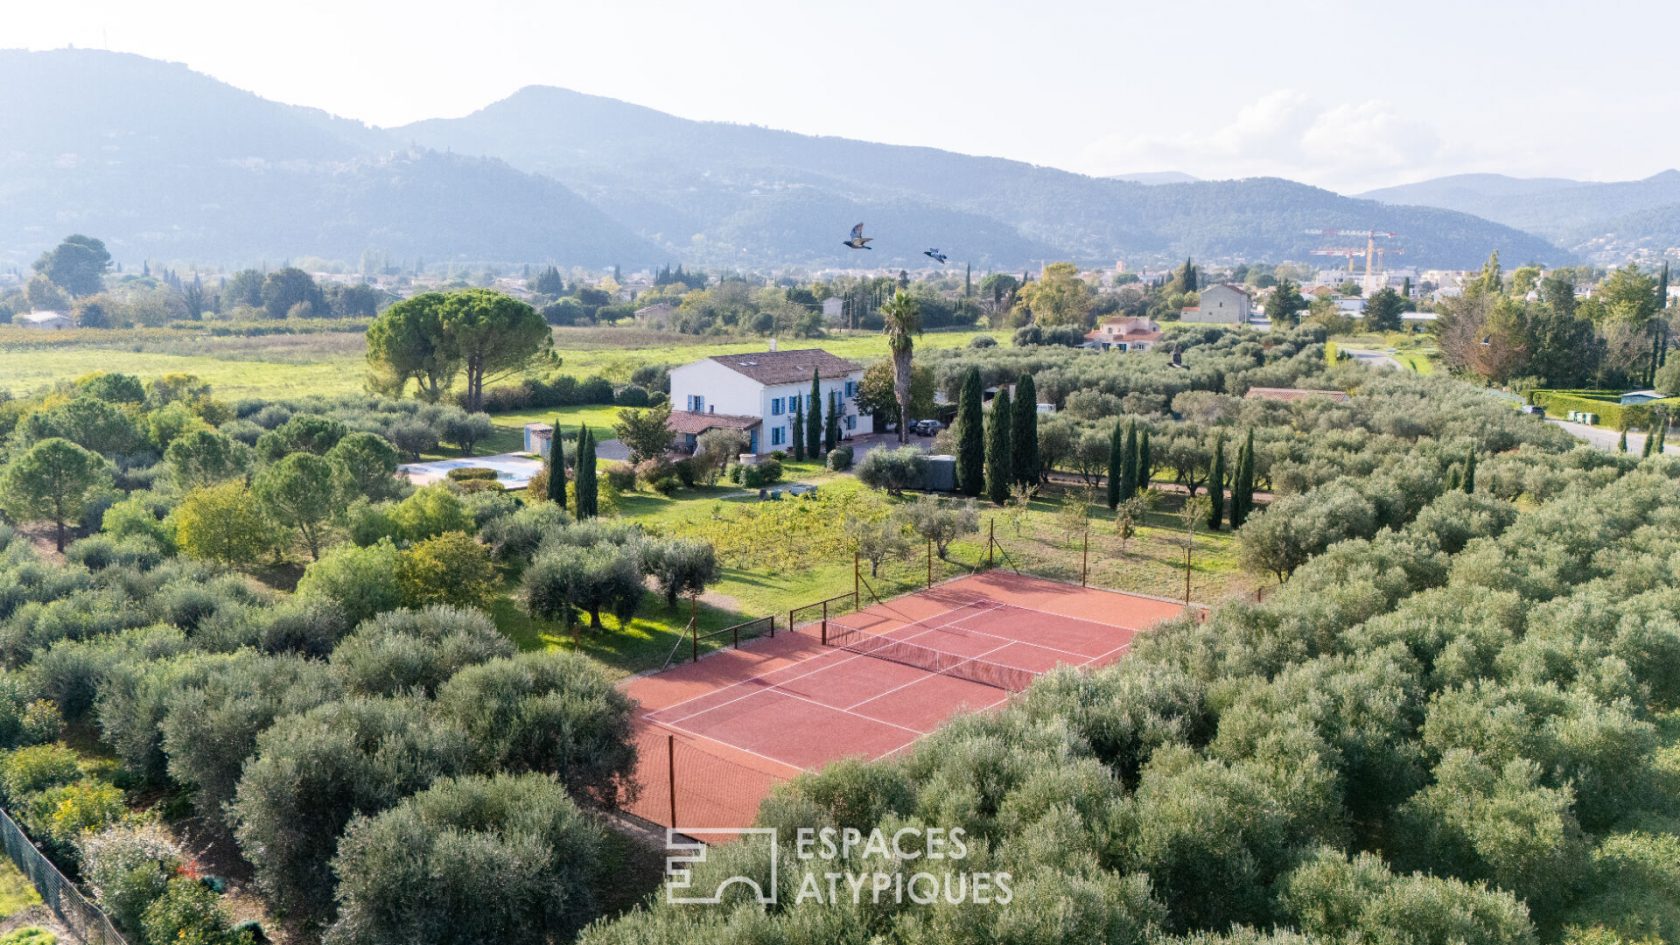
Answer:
x=1345 y=146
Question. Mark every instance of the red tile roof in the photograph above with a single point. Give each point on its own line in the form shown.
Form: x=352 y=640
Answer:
x=787 y=367
x=688 y=423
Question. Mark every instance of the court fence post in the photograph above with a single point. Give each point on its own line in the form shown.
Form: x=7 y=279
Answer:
x=693 y=641
x=671 y=774
x=991 y=538
x=1085 y=560
x=823 y=634
x=930 y=564
x=857 y=578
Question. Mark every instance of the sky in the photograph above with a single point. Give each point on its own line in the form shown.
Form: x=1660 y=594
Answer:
x=1347 y=95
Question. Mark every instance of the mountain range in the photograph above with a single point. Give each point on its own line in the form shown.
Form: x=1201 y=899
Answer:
x=168 y=164
x=1607 y=221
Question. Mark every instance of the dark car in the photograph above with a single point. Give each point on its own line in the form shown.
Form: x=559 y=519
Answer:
x=926 y=427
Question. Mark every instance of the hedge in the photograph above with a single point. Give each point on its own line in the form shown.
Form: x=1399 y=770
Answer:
x=1558 y=403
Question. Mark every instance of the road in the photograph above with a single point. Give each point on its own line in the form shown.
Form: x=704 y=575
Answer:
x=1604 y=438
x=1371 y=358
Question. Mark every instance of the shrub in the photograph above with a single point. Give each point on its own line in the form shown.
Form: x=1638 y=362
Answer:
x=127 y=867
x=27 y=771
x=29 y=935
x=189 y=914
x=840 y=458
x=517 y=849
x=760 y=474
x=471 y=472
x=358 y=580
x=312 y=773
x=620 y=476
x=452 y=568
x=893 y=470
x=632 y=396
x=409 y=650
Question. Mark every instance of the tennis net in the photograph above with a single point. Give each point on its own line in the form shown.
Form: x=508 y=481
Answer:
x=927 y=659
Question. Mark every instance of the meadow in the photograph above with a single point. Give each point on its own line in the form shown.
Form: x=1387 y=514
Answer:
x=286 y=360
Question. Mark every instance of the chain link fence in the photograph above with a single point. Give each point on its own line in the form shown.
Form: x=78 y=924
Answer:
x=82 y=917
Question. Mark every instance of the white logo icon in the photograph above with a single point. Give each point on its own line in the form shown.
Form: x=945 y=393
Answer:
x=683 y=854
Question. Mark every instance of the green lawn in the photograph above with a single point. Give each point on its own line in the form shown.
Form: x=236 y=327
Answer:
x=16 y=893
x=331 y=362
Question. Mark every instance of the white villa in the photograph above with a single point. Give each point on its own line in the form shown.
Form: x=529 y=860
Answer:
x=44 y=320
x=759 y=393
x=1221 y=305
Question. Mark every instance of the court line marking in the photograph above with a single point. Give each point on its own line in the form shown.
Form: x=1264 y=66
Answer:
x=970 y=659
x=761 y=680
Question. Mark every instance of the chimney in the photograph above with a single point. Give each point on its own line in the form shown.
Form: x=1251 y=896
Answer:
x=772 y=342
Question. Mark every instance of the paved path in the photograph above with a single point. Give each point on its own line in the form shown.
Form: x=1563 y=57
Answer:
x=1605 y=438
x=1372 y=358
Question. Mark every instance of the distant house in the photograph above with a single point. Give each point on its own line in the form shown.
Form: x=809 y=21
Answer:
x=759 y=393
x=44 y=320
x=657 y=315
x=1221 y=305
x=1124 y=333
x=1634 y=397
x=1293 y=393
x=539 y=438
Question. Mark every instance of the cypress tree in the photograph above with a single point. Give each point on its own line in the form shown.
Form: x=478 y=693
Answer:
x=587 y=491
x=1246 y=483
x=1024 y=437
x=971 y=447
x=814 y=419
x=1145 y=464
x=1237 y=474
x=1216 y=486
x=798 y=431
x=1116 y=467
x=1129 y=461
x=557 y=468
x=831 y=429
x=1000 y=459
x=1470 y=470
x=1621 y=444
x=1662 y=433
x=1650 y=441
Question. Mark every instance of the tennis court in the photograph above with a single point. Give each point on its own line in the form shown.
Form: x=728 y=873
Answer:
x=717 y=735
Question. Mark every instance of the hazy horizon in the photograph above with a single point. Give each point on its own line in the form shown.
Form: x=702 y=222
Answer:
x=1337 y=96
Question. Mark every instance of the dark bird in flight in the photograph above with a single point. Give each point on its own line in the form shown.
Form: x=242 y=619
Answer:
x=858 y=240
x=935 y=255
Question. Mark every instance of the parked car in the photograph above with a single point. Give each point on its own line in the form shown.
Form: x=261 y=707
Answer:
x=926 y=427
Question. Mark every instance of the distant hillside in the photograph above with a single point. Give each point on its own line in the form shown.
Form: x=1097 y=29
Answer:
x=688 y=184
x=1597 y=219
x=164 y=163
x=1157 y=177
x=167 y=164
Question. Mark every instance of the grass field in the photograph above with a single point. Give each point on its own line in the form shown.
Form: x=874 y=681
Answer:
x=16 y=893
x=332 y=362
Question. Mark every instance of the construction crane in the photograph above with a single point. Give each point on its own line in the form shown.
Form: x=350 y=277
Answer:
x=1349 y=251
x=1371 y=249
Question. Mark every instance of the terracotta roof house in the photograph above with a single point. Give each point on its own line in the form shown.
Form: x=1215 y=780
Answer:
x=1124 y=333
x=760 y=392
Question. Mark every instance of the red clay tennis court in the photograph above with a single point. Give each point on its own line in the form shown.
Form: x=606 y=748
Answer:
x=715 y=736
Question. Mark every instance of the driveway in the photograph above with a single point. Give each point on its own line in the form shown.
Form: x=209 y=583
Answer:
x=1604 y=438
x=1371 y=358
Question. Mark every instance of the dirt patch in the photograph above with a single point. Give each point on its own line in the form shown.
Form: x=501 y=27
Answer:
x=720 y=601
x=41 y=917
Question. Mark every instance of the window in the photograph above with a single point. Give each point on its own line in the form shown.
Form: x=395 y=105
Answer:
x=851 y=422
x=793 y=404
x=851 y=388
x=778 y=436
x=696 y=403
x=776 y=406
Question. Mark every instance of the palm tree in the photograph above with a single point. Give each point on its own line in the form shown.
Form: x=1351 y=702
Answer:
x=902 y=319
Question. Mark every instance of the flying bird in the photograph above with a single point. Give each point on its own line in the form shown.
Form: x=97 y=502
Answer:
x=935 y=255
x=858 y=240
